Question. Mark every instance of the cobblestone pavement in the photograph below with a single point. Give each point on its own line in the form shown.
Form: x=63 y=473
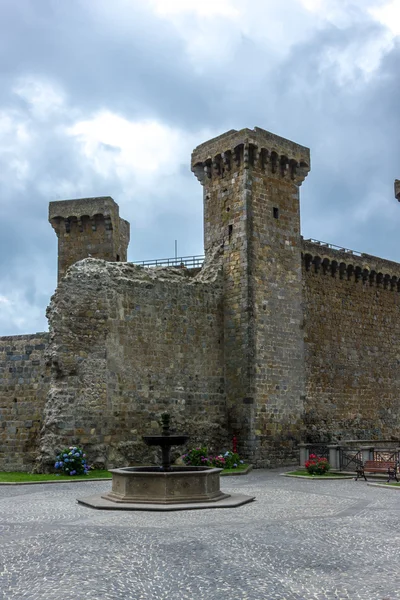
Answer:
x=300 y=540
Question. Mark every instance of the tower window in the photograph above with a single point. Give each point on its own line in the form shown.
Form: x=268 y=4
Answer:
x=117 y=257
x=230 y=229
x=276 y=212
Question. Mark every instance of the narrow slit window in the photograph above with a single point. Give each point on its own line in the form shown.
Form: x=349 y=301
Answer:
x=276 y=212
x=230 y=229
x=117 y=257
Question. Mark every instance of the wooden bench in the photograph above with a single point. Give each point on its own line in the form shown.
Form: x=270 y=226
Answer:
x=378 y=466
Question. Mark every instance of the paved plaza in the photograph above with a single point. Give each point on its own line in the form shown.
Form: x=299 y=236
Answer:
x=299 y=540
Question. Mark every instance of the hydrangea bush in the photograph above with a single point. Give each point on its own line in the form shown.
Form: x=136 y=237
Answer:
x=72 y=461
x=199 y=457
x=317 y=465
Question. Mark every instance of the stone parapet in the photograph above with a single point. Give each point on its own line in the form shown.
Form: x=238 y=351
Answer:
x=342 y=264
x=251 y=147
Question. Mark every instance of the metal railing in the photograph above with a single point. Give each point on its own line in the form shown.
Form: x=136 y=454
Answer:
x=319 y=449
x=350 y=460
x=196 y=262
x=385 y=456
x=333 y=247
x=190 y=262
x=346 y=456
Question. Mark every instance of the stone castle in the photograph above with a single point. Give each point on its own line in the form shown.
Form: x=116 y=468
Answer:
x=275 y=339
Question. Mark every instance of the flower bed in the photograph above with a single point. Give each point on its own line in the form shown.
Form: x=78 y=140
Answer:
x=317 y=465
x=200 y=457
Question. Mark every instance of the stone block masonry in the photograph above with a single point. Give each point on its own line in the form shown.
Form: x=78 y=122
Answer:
x=128 y=344
x=24 y=383
x=352 y=345
x=88 y=227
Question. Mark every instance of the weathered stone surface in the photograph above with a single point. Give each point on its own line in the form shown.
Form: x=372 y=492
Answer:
x=24 y=383
x=126 y=344
x=352 y=344
x=88 y=227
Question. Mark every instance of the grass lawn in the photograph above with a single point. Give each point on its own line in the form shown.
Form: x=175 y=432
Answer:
x=238 y=469
x=305 y=473
x=15 y=477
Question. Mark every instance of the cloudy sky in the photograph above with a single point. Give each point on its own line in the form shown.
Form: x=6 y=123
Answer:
x=109 y=97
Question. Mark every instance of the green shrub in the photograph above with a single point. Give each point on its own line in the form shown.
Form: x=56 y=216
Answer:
x=199 y=457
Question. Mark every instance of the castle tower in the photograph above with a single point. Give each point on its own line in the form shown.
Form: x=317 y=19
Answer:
x=251 y=182
x=88 y=227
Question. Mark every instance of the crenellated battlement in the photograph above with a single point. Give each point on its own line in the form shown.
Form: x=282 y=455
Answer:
x=258 y=148
x=81 y=224
x=88 y=227
x=357 y=267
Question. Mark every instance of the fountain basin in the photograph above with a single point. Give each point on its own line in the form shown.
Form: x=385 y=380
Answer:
x=150 y=485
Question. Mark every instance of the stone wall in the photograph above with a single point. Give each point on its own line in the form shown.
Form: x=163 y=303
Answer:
x=352 y=345
x=24 y=382
x=127 y=344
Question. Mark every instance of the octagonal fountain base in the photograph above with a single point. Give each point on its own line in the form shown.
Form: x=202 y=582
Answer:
x=149 y=488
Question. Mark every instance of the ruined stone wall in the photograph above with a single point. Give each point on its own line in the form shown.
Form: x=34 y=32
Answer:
x=352 y=345
x=128 y=343
x=24 y=383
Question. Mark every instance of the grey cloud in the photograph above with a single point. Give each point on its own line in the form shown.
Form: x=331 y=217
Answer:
x=143 y=72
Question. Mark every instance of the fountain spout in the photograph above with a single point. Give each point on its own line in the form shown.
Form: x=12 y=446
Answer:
x=166 y=440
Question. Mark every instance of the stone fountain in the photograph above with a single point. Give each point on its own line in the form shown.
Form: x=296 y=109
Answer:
x=166 y=487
